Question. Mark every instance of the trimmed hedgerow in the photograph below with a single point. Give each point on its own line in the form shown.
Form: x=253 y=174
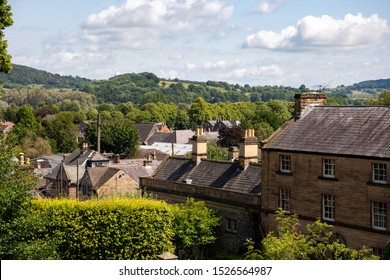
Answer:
x=117 y=228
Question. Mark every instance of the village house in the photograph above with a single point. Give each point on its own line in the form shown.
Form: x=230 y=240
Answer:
x=331 y=163
x=230 y=187
x=216 y=125
x=147 y=130
x=103 y=182
x=62 y=180
x=6 y=126
x=85 y=174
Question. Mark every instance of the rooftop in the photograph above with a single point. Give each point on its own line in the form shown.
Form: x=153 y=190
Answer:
x=356 y=131
x=211 y=173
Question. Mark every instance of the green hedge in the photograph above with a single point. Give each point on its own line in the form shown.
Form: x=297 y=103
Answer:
x=108 y=229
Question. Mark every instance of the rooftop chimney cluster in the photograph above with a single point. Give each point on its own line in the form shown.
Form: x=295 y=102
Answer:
x=247 y=149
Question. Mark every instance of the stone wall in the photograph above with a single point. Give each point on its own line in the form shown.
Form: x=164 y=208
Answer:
x=244 y=208
x=119 y=185
x=352 y=188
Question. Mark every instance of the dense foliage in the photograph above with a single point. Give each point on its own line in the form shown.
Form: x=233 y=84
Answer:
x=195 y=225
x=108 y=229
x=290 y=243
x=5 y=21
x=118 y=135
x=21 y=230
x=24 y=75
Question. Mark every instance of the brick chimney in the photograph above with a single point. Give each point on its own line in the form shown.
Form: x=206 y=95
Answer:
x=233 y=153
x=304 y=100
x=117 y=158
x=248 y=149
x=199 y=146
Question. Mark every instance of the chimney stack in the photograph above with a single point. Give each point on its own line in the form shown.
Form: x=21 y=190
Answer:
x=117 y=158
x=304 y=100
x=232 y=153
x=248 y=149
x=85 y=147
x=199 y=146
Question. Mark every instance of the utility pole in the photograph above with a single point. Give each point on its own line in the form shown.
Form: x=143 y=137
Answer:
x=98 y=133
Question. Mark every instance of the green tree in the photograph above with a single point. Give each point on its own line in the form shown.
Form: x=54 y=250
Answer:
x=199 y=112
x=62 y=130
x=21 y=231
x=215 y=151
x=386 y=252
x=5 y=21
x=195 y=225
x=383 y=99
x=319 y=243
x=117 y=135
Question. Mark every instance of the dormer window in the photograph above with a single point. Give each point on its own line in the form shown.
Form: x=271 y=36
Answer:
x=285 y=163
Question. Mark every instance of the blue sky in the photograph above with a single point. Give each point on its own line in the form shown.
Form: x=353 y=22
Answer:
x=255 y=42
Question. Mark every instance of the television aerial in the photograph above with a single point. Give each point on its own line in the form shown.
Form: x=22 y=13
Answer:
x=322 y=86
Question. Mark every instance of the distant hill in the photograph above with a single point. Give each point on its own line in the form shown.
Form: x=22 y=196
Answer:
x=372 y=84
x=142 y=88
x=24 y=75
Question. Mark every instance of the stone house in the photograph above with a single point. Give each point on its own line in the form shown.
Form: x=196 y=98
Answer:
x=103 y=182
x=232 y=188
x=147 y=130
x=331 y=163
x=62 y=180
x=216 y=125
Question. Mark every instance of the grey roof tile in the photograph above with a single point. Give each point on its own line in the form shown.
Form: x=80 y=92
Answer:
x=211 y=173
x=357 y=131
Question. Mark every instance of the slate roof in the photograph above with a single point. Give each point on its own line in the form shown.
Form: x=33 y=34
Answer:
x=161 y=137
x=100 y=175
x=83 y=156
x=145 y=130
x=70 y=171
x=143 y=153
x=211 y=173
x=356 y=131
x=137 y=171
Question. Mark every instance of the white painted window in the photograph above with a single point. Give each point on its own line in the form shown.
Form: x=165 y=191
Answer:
x=328 y=207
x=379 y=173
x=329 y=168
x=285 y=163
x=284 y=200
x=379 y=215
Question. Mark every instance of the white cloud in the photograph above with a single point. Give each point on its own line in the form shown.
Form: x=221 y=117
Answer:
x=221 y=64
x=169 y=74
x=269 y=6
x=256 y=71
x=323 y=32
x=141 y=23
x=191 y=66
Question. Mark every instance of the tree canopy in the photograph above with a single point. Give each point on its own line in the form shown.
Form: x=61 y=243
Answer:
x=5 y=21
x=290 y=243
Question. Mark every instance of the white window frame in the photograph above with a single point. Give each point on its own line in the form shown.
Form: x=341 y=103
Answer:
x=329 y=168
x=285 y=163
x=328 y=207
x=231 y=225
x=284 y=200
x=379 y=215
x=379 y=172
